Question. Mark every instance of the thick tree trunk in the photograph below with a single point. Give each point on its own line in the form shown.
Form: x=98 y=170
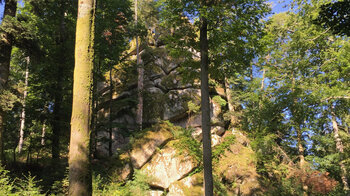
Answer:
x=80 y=183
x=340 y=149
x=207 y=159
x=5 y=57
x=140 y=71
x=23 y=114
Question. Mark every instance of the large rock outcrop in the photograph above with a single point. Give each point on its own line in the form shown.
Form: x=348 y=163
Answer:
x=144 y=148
x=168 y=166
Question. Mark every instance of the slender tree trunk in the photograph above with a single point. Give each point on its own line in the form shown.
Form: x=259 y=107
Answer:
x=263 y=80
x=29 y=153
x=94 y=115
x=207 y=154
x=110 y=113
x=340 y=149
x=2 y=126
x=300 y=148
x=58 y=93
x=5 y=57
x=43 y=132
x=80 y=183
x=56 y=125
x=14 y=155
x=23 y=114
x=140 y=70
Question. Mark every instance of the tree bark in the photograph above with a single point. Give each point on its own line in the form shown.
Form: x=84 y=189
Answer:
x=340 y=149
x=205 y=107
x=140 y=71
x=300 y=148
x=61 y=61
x=80 y=183
x=110 y=142
x=23 y=114
x=5 y=57
x=56 y=125
x=43 y=132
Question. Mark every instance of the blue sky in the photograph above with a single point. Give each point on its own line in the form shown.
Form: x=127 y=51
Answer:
x=277 y=6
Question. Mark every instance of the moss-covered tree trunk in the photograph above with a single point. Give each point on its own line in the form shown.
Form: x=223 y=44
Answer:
x=79 y=150
x=207 y=159
x=6 y=42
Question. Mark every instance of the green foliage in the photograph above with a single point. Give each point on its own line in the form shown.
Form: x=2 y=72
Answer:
x=25 y=186
x=192 y=107
x=219 y=187
x=138 y=186
x=60 y=187
x=218 y=99
x=6 y=184
x=334 y=15
x=28 y=186
x=186 y=144
x=8 y=100
x=222 y=147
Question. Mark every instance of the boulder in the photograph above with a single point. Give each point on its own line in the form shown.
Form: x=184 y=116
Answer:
x=218 y=130
x=215 y=140
x=189 y=186
x=168 y=166
x=124 y=173
x=155 y=193
x=144 y=148
x=215 y=137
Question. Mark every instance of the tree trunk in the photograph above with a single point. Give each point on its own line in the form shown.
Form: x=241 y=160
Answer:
x=340 y=149
x=23 y=114
x=61 y=61
x=56 y=125
x=300 y=148
x=140 y=71
x=207 y=159
x=5 y=57
x=43 y=132
x=94 y=115
x=110 y=113
x=80 y=183
x=263 y=80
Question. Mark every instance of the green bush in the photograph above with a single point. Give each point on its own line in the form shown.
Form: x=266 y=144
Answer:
x=138 y=186
x=6 y=184
x=28 y=186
